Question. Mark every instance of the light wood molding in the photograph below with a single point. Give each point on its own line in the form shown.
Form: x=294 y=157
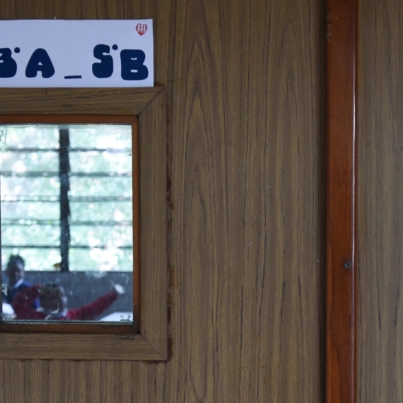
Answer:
x=110 y=101
x=86 y=342
x=77 y=347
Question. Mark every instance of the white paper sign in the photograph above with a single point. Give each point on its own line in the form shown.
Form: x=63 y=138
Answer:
x=86 y=53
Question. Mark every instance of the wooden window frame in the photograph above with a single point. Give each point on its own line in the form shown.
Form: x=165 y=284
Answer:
x=341 y=245
x=146 y=339
x=23 y=326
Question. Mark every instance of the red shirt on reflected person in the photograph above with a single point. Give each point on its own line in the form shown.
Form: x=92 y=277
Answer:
x=22 y=305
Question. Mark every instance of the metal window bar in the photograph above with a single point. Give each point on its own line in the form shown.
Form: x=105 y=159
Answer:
x=64 y=171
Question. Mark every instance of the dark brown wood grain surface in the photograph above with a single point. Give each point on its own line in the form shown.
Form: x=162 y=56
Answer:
x=245 y=82
x=380 y=195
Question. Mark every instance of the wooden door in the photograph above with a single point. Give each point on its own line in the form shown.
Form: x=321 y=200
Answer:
x=380 y=207
x=246 y=189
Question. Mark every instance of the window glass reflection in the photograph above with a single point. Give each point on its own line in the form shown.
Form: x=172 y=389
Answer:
x=66 y=222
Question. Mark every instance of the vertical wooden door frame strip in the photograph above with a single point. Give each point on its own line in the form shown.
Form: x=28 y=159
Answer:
x=341 y=253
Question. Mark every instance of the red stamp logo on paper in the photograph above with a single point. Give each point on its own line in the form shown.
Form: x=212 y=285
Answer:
x=141 y=28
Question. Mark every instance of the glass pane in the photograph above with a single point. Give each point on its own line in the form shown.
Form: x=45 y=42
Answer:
x=109 y=236
x=66 y=213
x=95 y=161
x=101 y=259
x=31 y=211
x=22 y=162
x=29 y=136
x=120 y=211
x=43 y=235
x=101 y=137
x=100 y=186
x=35 y=259
x=30 y=187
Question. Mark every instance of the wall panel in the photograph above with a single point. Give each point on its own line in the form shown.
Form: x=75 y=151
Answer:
x=245 y=84
x=380 y=207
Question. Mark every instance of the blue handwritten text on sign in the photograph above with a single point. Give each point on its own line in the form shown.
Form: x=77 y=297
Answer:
x=67 y=56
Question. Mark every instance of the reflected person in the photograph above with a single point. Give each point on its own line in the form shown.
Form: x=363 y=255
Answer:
x=53 y=302
x=15 y=272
